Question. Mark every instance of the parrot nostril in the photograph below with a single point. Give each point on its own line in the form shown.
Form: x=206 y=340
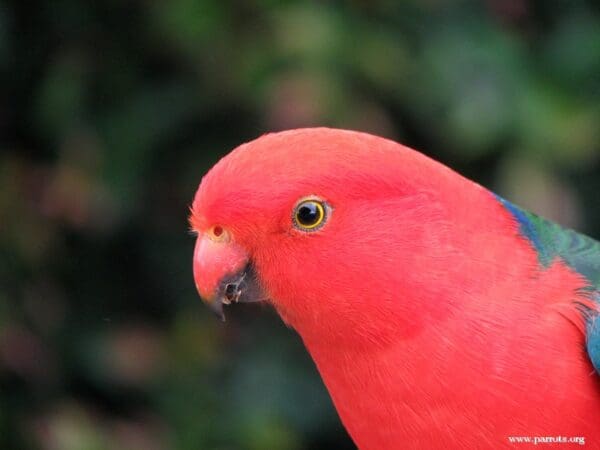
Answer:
x=218 y=234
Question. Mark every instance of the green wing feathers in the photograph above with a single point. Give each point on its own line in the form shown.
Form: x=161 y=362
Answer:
x=552 y=241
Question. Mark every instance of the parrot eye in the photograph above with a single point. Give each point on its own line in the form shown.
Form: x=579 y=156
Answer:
x=310 y=215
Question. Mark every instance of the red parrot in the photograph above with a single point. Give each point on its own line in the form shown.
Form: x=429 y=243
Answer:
x=438 y=314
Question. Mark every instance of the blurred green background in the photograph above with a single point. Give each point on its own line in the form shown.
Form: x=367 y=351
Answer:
x=111 y=112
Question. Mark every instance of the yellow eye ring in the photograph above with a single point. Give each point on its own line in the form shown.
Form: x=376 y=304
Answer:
x=310 y=215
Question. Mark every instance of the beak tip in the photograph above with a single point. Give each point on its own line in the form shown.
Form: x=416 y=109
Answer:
x=216 y=306
x=220 y=315
x=238 y=287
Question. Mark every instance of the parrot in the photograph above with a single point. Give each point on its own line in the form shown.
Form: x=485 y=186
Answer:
x=437 y=313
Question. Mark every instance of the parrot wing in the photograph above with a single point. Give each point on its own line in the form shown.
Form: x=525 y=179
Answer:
x=579 y=252
x=551 y=241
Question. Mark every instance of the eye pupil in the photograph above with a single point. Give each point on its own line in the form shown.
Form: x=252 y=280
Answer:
x=308 y=214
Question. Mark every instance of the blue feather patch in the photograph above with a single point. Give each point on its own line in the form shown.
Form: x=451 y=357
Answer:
x=529 y=227
x=592 y=343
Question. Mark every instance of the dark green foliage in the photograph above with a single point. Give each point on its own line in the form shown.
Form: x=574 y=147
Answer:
x=112 y=110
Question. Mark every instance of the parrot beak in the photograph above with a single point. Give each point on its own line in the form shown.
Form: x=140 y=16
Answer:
x=223 y=274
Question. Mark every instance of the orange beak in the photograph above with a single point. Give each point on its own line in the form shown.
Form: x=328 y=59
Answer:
x=223 y=274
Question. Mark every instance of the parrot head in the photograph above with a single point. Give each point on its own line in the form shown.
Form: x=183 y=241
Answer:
x=323 y=223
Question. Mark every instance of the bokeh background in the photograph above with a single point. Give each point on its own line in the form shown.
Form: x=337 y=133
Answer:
x=112 y=110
